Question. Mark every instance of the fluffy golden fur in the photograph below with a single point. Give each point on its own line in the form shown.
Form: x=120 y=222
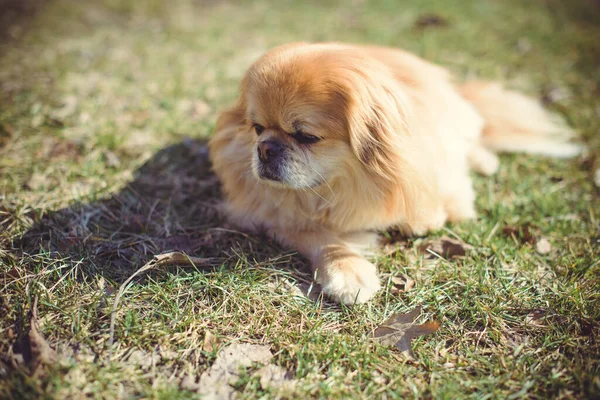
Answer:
x=330 y=142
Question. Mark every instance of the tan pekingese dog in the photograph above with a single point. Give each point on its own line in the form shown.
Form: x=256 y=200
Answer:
x=330 y=142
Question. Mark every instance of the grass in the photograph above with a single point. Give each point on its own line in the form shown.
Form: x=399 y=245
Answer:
x=104 y=107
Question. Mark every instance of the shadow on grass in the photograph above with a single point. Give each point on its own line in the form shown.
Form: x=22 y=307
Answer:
x=171 y=205
x=15 y=15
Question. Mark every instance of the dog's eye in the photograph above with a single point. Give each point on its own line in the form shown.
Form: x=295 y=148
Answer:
x=258 y=128
x=305 y=138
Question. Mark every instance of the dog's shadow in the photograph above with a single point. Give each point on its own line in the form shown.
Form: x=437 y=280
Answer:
x=171 y=205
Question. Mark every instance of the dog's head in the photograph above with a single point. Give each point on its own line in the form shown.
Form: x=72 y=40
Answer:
x=317 y=112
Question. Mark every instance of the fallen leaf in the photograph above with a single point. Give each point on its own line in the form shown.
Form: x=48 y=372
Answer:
x=445 y=247
x=311 y=290
x=597 y=178
x=394 y=236
x=399 y=330
x=41 y=352
x=535 y=316
x=210 y=342
x=216 y=382
x=430 y=21
x=521 y=233
x=543 y=246
x=401 y=283
x=6 y=133
x=64 y=149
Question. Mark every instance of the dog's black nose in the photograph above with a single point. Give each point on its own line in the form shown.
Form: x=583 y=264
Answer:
x=269 y=150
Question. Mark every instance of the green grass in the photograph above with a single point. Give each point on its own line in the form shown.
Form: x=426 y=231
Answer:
x=103 y=109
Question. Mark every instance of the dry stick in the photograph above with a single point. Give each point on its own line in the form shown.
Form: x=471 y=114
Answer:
x=173 y=258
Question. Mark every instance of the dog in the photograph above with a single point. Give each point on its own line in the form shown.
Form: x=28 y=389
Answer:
x=329 y=143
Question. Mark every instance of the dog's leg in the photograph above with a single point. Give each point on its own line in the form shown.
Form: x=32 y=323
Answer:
x=460 y=204
x=483 y=161
x=339 y=267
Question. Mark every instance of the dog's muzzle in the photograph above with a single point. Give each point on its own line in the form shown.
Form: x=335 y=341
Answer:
x=271 y=155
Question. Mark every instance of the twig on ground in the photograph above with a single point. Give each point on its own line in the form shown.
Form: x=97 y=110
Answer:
x=172 y=258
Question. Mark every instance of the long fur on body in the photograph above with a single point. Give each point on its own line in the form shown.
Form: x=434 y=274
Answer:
x=364 y=138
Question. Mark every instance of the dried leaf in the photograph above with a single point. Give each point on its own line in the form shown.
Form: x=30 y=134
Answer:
x=521 y=233
x=41 y=352
x=394 y=236
x=401 y=283
x=63 y=149
x=303 y=289
x=172 y=258
x=445 y=247
x=597 y=178
x=537 y=318
x=431 y=21
x=399 y=330
x=210 y=342
x=543 y=246
x=6 y=133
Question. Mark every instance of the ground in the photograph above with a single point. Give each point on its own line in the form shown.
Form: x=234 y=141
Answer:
x=104 y=108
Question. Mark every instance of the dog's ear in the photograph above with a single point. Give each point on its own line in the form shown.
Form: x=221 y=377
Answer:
x=377 y=127
x=381 y=138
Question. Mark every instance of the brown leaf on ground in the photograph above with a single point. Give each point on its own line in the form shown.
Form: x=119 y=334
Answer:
x=522 y=233
x=41 y=352
x=6 y=132
x=543 y=317
x=402 y=283
x=33 y=350
x=65 y=149
x=445 y=247
x=399 y=330
x=210 y=342
x=431 y=21
x=394 y=236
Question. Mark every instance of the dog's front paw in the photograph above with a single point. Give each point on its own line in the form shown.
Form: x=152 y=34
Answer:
x=350 y=281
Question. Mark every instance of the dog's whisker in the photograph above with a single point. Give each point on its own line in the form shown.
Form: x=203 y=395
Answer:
x=322 y=198
x=324 y=181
